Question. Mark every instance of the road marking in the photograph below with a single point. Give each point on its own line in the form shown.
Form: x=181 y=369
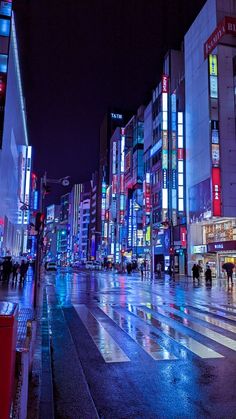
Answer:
x=182 y=339
x=148 y=344
x=217 y=311
x=207 y=318
x=106 y=345
x=217 y=337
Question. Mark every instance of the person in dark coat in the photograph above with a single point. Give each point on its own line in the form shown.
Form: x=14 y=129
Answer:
x=208 y=275
x=129 y=268
x=23 y=270
x=229 y=271
x=7 y=269
x=15 y=270
x=195 y=270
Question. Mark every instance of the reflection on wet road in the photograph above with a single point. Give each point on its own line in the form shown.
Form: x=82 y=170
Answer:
x=108 y=348
x=167 y=320
x=147 y=349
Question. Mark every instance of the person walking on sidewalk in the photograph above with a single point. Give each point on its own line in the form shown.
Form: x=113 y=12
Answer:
x=141 y=270
x=15 y=271
x=208 y=276
x=23 y=270
x=195 y=270
x=159 y=270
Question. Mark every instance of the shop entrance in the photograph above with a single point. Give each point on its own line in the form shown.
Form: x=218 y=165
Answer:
x=226 y=258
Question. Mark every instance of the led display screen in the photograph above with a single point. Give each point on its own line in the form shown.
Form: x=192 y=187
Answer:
x=215 y=151
x=200 y=204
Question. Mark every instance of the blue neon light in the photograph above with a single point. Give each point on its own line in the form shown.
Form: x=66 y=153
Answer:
x=5 y=8
x=155 y=148
x=3 y=63
x=4 y=27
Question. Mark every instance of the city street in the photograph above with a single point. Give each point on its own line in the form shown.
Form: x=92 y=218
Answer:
x=126 y=348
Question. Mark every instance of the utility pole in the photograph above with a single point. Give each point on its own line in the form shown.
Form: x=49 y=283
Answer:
x=43 y=187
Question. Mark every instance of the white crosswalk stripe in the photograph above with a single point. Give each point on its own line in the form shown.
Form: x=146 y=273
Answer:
x=109 y=349
x=164 y=332
x=149 y=345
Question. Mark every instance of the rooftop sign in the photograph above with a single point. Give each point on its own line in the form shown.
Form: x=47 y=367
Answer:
x=226 y=26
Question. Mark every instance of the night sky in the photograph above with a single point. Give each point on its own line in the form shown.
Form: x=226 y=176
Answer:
x=81 y=56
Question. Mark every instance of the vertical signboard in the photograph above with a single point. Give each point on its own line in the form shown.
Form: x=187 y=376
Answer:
x=216 y=191
x=214 y=136
x=165 y=157
x=5 y=32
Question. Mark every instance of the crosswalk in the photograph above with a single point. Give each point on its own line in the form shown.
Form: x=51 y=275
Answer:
x=162 y=332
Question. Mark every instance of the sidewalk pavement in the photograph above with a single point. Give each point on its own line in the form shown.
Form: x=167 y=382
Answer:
x=23 y=294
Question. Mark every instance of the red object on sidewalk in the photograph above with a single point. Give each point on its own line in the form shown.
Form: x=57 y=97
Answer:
x=8 y=334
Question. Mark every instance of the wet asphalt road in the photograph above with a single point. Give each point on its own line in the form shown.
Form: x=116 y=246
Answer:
x=126 y=348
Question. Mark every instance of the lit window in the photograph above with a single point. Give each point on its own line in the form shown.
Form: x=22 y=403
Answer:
x=180 y=204
x=181 y=191
x=180 y=117
x=4 y=27
x=3 y=63
x=180 y=130
x=180 y=142
x=181 y=166
x=180 y=179
x=164 y=125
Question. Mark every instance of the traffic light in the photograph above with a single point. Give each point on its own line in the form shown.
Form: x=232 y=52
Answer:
x=172 y=250
x=39 y=220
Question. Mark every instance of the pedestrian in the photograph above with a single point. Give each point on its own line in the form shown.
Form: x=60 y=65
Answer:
x=159 y=270
x=23 y=270
x=229 y=272
x=141 y=270
x=15 y=270
x=7 y=268
x=208 y=276
x=195 y=270
x=129 y=268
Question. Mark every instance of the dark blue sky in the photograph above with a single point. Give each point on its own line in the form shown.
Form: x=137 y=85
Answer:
x=81 y=56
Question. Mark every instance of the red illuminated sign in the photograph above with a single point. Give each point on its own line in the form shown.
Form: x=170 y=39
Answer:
x=165 y=83
x=180 y=153
x=216 y=191
x=183 y=236
x=226 y=26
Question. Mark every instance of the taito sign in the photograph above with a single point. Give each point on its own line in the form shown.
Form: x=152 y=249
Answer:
x=226 y=26
x=165 y=83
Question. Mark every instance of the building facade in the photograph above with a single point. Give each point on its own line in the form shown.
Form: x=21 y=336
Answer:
x=15 y=152
x=210 y=71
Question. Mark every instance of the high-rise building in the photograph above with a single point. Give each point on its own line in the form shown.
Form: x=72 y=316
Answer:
x=94 y=235
x=111 y=121
x=164 y=162
x=210 y=77
x=15 y=152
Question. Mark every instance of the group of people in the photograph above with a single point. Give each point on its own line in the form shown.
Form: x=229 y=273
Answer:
x=197 y=269
x=8 y=268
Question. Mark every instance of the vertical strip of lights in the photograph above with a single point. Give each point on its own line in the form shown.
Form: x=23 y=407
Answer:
x=16 y=56
x=27 y=184
x=180 y=162
x=165 y=90
x=215 y=139
x=5 y=34
x=173 y=192
x=122 y=170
